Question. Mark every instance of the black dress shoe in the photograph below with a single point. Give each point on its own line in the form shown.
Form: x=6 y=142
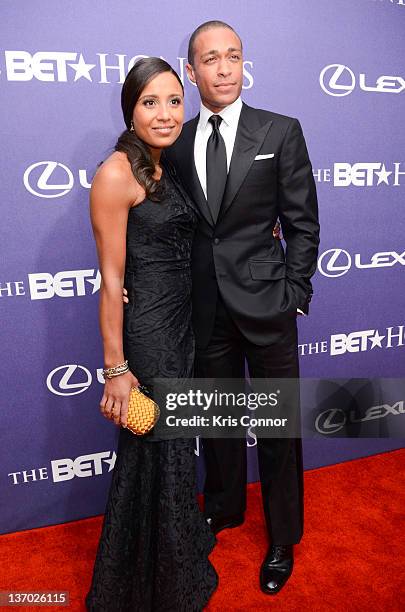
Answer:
x=228 y=522
x=276 y=568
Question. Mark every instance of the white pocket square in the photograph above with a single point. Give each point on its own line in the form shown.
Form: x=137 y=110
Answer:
x=266 y=156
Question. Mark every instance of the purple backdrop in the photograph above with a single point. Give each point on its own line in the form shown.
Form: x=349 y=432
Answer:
x=337 y=66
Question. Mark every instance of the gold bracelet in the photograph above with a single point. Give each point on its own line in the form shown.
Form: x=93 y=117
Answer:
x=117 y=370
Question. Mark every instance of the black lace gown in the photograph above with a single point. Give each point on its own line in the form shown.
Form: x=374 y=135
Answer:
x=154 y=545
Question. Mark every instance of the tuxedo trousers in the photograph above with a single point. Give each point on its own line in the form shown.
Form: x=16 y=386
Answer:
x=279 y=459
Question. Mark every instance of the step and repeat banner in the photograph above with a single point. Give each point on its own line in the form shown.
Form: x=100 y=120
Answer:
x=339 y=67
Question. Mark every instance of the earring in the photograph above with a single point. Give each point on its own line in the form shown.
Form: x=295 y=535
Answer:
x=132 y=126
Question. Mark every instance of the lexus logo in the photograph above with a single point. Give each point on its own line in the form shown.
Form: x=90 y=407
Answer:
x=339 y=80
x=329 y=77
x=59 y=380
x=51 y=179
x=330 y=421
x=36 y=182
x=334 y=262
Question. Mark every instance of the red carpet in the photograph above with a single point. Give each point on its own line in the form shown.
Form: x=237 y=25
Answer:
x=350 y=559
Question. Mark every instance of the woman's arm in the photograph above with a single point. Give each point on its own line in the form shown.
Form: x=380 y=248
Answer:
x=112 y=193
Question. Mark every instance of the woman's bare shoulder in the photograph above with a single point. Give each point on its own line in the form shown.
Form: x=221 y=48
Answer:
x=115 y=174
x=115 y=167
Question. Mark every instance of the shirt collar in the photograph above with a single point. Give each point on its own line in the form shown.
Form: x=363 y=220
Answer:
x=230 y=114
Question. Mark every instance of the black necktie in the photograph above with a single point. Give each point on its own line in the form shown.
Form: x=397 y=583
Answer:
x=216 y=167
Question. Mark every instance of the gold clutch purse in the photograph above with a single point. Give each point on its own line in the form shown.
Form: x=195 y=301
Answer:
x=143 y=412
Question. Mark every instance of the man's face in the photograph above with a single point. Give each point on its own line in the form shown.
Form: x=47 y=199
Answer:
x=218 y=67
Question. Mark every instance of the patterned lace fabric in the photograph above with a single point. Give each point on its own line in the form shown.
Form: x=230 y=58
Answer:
x=158 y=336
x=154 y=545
x=153 y=550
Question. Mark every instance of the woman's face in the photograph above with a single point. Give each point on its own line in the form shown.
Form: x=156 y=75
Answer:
x=159 y=112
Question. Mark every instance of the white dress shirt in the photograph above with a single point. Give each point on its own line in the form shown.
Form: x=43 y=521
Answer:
x=229 y=125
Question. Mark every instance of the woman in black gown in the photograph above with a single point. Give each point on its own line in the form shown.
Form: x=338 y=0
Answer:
x=154 y=546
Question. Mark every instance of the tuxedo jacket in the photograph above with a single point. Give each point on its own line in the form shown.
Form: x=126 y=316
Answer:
x=261 y=282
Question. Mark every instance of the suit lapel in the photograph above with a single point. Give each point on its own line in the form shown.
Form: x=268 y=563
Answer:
x=249 y=138
x=188 y=171
x=250 y=134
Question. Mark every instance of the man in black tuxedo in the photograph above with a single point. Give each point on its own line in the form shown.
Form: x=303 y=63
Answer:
x=244 y=168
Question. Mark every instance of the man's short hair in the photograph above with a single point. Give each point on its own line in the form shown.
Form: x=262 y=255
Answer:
x=208 y=25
